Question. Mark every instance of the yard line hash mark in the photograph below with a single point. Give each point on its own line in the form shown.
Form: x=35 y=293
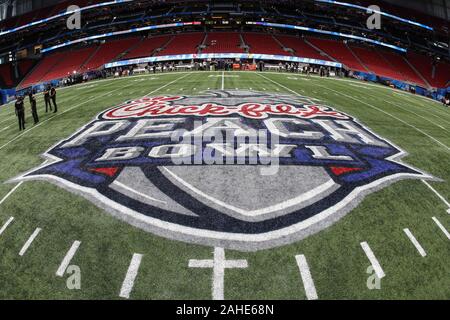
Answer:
x=373 y=260
x=7 y=223
x=4 y=129
x=308 y=283
x=439 y=224
x=415 y=242
x=69 y=255
x=438 y=194
x=132 y=272
x=29 y=241
x=11 y=192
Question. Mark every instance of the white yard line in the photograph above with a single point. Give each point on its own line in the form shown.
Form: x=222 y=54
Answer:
x=11 y=192
x=308 y=283
x=359 y=86
x=132 y=272
x=392 y=116
x=56 y=115
x=7 y=119
x=436 y=116
x=410 y=111
x=439 y=224
x=439 y=195
x=167 y=84
x=416 y=114
x=4 y=129
x=69 y=255
x=223 y=80
x=373 y=260
x=29 y=241
x=419 y=104
x=7 y=223
x=415 y=242
x=368 y=104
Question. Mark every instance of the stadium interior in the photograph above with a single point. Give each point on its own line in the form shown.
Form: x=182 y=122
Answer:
x=110 y=174
x=34 y=55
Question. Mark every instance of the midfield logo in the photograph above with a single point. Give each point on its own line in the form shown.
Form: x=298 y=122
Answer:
x=236 y=169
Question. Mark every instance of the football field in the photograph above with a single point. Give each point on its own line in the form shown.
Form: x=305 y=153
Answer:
x=401 y=230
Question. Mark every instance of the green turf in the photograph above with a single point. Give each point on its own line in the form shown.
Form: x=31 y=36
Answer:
x=338 y=264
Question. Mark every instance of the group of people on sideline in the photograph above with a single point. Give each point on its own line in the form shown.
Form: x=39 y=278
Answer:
x=49 y=98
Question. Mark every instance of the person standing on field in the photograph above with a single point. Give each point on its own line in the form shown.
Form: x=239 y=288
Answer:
x=53 y=97
x=33 y=107
x=20 y=112
x=47 y=99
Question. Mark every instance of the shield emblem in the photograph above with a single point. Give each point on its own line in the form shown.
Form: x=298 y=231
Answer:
x=237 y=169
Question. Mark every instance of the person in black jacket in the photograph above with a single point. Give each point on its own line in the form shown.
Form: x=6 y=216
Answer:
x=33 y=107
x=20 y=112
x=47 y=99
x=53 y=97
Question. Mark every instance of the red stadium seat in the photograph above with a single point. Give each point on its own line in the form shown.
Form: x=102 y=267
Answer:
x=437 y=74
x=183 y=44
x=339 y=51
x=375 y=63
x=72 y=62
x=301 y=48
x=264 y=44
x=147 y=47
x=398 y=62
x=223 y=42
x=25 y=66
x=107 y=52
x=58 y=65
x=416 y=69
x=44 y=66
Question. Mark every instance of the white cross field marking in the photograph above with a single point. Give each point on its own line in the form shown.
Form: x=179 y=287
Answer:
x=7 y=223
x=29 y=241
x=218 y=264
x=132 y=272
x=439 y=195
x=415 y=242
x=373 y=260
x=69 y=255
x=439 y=224
x=308 y=282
